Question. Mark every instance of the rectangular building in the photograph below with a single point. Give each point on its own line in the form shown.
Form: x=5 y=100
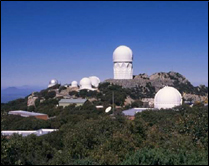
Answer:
x=67 y=102
x=29 y=114
x=130 y=113
x=25 y=133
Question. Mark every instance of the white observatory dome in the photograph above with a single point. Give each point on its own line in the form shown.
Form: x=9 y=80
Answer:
x=85 y=83
x=167 y=97
x=74 y=84
x=94 y=81
x=122 y=54
x=52 y=83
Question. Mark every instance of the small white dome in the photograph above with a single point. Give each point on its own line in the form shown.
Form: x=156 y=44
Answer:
x=122 y=54
x=52 y=83
x=74 y=84
x=94 y=81
x=167 y=97
x=85 y=83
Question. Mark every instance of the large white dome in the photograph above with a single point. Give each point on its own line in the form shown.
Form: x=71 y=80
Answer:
x=85 y=83
x=94 y=81
x=122 y=54
x=167 y=97
x=74 y=84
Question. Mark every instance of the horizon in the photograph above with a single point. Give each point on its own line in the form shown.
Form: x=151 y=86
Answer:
x=72 y=40
x=44 y=87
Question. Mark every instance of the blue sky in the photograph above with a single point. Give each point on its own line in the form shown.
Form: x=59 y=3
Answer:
x=71 y=40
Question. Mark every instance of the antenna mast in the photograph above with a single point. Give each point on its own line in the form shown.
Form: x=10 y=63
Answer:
x=113 y=102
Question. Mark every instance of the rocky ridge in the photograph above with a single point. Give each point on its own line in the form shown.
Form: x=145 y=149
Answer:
x=158 y=80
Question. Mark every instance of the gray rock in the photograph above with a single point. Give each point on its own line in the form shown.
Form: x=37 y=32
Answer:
x=158 y=81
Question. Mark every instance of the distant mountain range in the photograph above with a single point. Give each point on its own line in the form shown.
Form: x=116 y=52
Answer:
x=12 y=93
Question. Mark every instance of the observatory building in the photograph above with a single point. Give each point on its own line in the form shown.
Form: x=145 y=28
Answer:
x=74 y=84
x=122 y=59
x=94 y=81
x=85 y=83
x=25 y=133
x=167 y=97
x=52 y=83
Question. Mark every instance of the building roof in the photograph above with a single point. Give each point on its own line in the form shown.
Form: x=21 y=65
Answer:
x=99 y=106
x=72 y=101
x=133 y=111
x=122 y=54
x=25 y=113
x=28 y=132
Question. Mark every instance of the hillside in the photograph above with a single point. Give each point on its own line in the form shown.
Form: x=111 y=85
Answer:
x=88 y=136
x=151 y=84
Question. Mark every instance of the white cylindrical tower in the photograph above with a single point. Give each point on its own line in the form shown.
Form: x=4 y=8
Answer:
x=167 y=97
x=122 y=59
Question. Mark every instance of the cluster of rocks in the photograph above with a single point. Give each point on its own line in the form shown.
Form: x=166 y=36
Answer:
x=195 y=98
x=158 y=81
x=31 y=100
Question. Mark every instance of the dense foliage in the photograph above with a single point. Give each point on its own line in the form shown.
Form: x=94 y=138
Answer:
x=90 y=137
x=105 y=94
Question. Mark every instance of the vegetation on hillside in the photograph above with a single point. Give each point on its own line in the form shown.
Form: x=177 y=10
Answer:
x=88 y=136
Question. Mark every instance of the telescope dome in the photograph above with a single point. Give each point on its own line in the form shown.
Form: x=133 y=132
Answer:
x=85 y=83
x=167 y=97
x=122 y=54
x=94 y=81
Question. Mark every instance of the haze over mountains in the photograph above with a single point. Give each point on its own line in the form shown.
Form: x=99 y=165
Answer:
x=12 y=93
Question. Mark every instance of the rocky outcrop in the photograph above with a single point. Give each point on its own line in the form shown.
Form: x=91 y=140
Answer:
x=195 y=98
x=128 y=100
x=157 y=81
x=31 y=100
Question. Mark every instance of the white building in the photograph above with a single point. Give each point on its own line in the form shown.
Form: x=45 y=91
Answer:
x=52 y=83
x=122 y=59
x=133 y=111
x=167 y=97
x=74 y=84
x=25 y=133
x=85 y=83
x=94 y=81
x=29 y=114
